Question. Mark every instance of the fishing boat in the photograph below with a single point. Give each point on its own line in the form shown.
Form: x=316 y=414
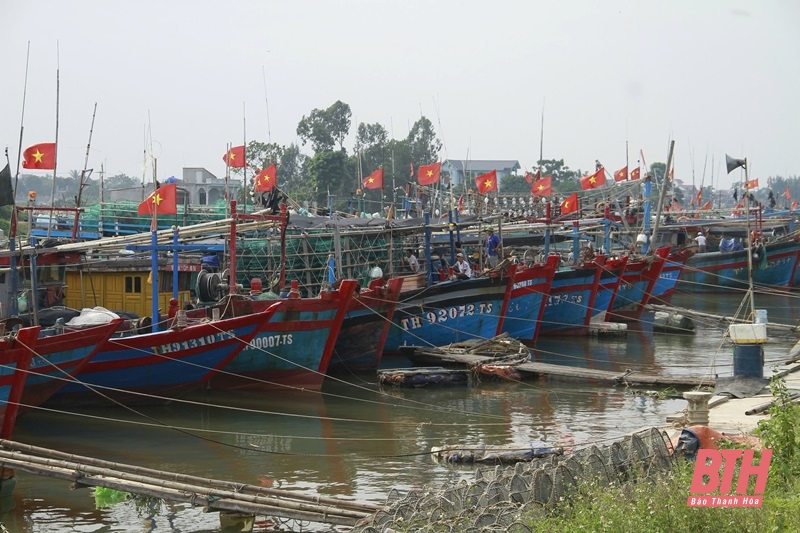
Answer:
x=61 y=354
x=293 y=350
x=152 y=367
x=570 y=302
x=667 y=281
x=530 y=285
x=774 y=266
x=611 y=273
x=636 y=286
x=15 y=359
x=451 y=311
x=368 y=319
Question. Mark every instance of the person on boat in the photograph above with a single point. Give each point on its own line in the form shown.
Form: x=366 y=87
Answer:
x=701 y=242
x=726 y=245
x=737 y=245
x=462 y=268
x=492 y=248
x=460 y=249
x=440 y=265
x=410 y=262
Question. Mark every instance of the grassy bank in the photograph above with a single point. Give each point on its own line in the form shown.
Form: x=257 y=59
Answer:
x=658 y=504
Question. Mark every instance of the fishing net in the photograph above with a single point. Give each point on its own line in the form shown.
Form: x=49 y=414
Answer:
x=502 y=498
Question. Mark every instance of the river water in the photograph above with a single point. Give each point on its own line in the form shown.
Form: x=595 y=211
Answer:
x=360 y=440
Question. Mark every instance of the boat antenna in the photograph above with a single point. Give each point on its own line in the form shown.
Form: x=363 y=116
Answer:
x=55 y=149
x=266 y=99
x=662 y=194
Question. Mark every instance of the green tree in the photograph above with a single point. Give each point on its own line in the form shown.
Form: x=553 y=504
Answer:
x=371 y=141
x=565 y=180
x=121 y=181
x=324 y=128
x=423 y=143
x=328 y=174
x=513 y=184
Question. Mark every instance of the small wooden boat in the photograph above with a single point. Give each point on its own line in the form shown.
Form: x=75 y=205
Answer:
x=423 y=377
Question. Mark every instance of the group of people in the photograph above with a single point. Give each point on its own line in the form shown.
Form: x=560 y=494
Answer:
x=462 y=268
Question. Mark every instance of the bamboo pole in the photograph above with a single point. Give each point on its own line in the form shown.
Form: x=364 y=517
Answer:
x=55 y=454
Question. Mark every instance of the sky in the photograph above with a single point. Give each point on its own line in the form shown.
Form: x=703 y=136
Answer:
x=182 y=79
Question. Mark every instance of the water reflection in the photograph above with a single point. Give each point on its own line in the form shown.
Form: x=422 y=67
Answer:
x=360 y=440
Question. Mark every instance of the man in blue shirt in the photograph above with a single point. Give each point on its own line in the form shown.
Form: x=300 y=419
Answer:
x=492 y=248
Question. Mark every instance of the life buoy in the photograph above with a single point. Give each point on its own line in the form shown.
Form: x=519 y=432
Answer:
x=600 y=208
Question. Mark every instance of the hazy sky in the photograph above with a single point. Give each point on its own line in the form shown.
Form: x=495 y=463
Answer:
x=715 y=76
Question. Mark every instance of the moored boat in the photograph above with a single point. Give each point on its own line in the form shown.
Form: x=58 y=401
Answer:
x=450 y=311
x=569 y=303
x=716 y=271
x=636 y=286
x=530 y=285
x=366 y=325
x=149 y=367
x=15 y=359
x=291 y=351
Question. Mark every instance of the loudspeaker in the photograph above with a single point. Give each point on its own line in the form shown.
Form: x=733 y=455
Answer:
x=733 y=164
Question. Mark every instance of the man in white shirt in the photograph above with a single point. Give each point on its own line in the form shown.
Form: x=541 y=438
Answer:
x=462 y=267
x=701 y=242
x=411 y=261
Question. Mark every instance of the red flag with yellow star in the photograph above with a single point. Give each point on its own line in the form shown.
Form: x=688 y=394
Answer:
x=595 y=180
x=266 y=179
x=235 y=157
x=487 y=183
x=429 y=174
x=41 y=156
x=621 y=174
x=570 y=205
x=635 y=174
x=163 y=201
x=543 y=187
x=374 y=180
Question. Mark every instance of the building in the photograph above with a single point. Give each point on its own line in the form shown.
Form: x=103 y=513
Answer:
x=198 y=187
x=467 y=170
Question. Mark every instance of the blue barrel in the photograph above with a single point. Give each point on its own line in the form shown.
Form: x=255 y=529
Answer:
x=748 y=360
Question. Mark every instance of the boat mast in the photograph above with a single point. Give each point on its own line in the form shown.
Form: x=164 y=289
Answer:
x=84 y=176
x=662 y=194
x=55 y=159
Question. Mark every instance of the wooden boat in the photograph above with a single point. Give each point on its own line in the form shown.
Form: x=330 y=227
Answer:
x=451 y=311
x=60 y=356
x=570 y=302
x=636 y=286
x=721 y=271
x=15 y=360
x=423 y=377
x=667 y=281
x=612 y=270
x=368 y=319
x=529 y=288
x=293 y=350
x=146 y=368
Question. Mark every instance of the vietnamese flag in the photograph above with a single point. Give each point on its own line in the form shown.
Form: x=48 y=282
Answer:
x=594 y=180
x=528 y=177
x=41 y=156
x=374 y=180
x=163 y=201
x=543 y=187
x=235 y=157
x=429 y=174
x=706 y=206
x=266 y=179
x=487 y=182
x=794 y=205
x=570 y=205
x=787 y=194
x=752 y=184
x=635 y=174
x=621 y=174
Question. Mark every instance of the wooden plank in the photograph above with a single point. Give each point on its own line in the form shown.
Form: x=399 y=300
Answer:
x=563 y=371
